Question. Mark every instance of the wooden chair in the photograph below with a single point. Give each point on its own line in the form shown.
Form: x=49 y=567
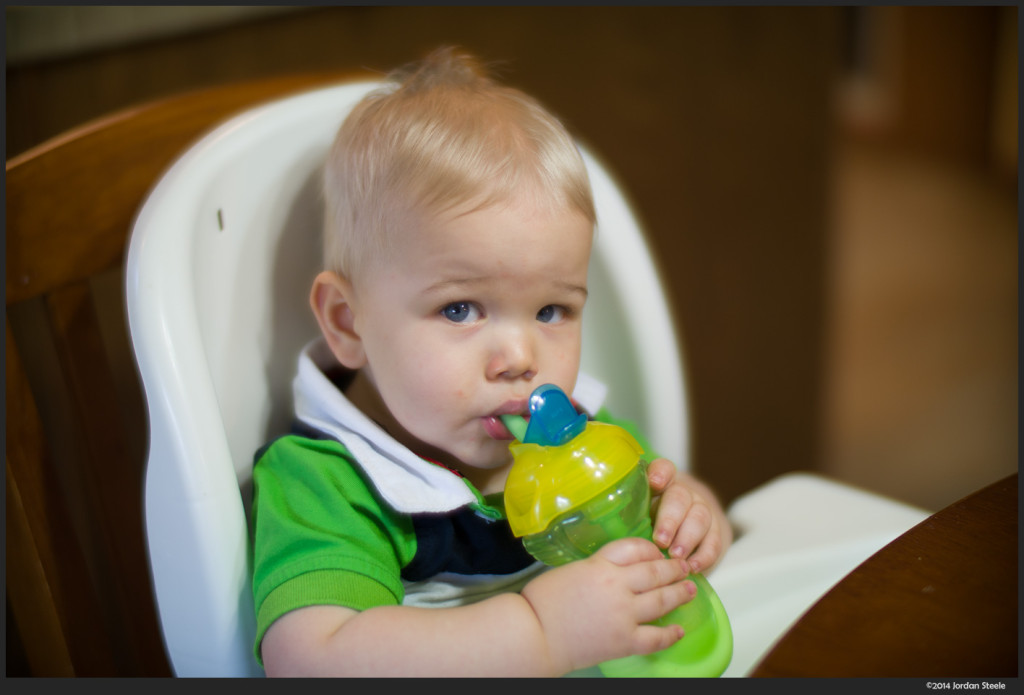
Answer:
x=79 y=594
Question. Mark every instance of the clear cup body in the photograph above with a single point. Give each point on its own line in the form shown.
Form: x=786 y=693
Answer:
x=619 y=511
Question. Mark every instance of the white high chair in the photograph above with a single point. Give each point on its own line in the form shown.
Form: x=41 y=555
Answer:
x=220 y=261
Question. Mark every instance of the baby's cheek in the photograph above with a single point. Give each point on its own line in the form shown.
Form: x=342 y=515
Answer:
x=565 y=364
x=431 y=399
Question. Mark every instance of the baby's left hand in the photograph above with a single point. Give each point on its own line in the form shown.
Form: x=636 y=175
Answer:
x=688 y=520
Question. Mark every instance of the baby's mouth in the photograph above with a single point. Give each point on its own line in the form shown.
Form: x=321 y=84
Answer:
x=496 y=429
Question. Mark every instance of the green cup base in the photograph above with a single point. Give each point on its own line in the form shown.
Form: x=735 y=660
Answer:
x=704 y=651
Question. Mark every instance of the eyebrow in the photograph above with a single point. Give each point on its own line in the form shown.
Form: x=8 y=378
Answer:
x=443 y=285
x=578 y=289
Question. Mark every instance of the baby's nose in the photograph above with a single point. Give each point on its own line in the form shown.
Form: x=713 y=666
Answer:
x=514 y=357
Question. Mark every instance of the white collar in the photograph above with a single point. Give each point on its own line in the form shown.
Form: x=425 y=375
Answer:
x=406 y=481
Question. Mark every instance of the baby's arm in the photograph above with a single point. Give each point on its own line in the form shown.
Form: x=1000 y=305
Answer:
x=568 y=618
x=689 y=520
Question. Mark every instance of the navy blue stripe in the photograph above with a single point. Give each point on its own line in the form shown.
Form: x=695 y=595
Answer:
x=463 y=542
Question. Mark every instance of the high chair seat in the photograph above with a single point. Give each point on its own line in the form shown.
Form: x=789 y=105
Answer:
x=221 y=257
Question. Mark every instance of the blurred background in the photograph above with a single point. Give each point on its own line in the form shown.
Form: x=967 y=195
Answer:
x=830 y=193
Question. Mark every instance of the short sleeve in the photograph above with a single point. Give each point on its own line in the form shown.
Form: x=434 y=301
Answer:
x=320 y=534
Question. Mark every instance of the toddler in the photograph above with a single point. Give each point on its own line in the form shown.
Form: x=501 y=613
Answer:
x=458 y=230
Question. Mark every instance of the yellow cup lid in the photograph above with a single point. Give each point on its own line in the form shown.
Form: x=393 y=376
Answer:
x=548 y=481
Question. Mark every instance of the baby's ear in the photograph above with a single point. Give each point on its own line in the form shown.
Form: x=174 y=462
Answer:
x=331 y=300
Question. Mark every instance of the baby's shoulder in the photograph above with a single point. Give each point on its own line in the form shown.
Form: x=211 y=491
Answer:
x=303 y=454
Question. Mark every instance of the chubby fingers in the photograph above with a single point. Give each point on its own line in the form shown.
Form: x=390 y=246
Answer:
x=687 y=526
x=660 y=473
x=648 y=567
x=673 y=502
x=658 y=601
x=712 y=546
x=656 y=582
x=676 y=526
x=648 y=571
x=629 y=551
x=693 y=530
x=652 y=638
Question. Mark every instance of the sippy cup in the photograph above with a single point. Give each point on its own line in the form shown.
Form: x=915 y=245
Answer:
x=575 y=485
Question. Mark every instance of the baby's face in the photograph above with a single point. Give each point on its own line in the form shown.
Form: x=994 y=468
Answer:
x=468 y=316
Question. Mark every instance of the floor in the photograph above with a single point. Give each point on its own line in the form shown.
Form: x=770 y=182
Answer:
x=923 y=359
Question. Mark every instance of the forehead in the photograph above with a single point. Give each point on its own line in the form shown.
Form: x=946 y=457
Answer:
x=519 y=234
x=510 y=250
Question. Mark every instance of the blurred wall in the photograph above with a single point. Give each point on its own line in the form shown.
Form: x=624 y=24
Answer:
x=922 y=356
x=36 y=33
x=940 y=82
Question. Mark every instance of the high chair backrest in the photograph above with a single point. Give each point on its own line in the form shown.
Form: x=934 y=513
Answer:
x=221 y=258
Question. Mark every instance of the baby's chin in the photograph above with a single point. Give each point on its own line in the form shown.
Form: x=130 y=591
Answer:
x=487 y=454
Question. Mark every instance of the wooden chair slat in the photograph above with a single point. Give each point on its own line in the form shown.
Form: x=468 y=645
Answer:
x=114 y=480
x=30 y=597
x=49 y=585
x=77 y=574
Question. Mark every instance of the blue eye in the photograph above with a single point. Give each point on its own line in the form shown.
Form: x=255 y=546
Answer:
x=551 y=314
x=461 y=312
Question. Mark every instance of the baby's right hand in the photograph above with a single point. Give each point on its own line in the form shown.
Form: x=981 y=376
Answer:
x=597 y=609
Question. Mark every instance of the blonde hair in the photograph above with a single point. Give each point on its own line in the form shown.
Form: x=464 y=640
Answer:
x=441 y=134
